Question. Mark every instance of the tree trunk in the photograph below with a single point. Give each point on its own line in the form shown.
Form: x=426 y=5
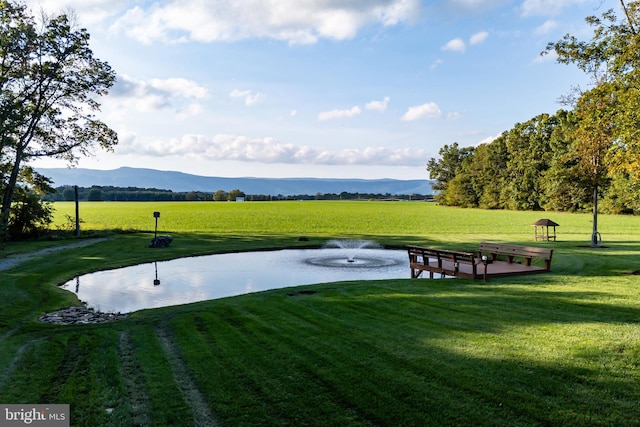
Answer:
x=629 y=20
x=7 y=196
x=595 y=236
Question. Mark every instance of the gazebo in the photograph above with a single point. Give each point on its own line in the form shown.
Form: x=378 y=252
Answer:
x=543 y=233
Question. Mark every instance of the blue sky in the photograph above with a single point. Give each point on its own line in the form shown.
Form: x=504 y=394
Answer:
x=321 y=88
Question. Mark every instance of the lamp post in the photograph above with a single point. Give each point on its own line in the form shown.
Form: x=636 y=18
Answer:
x=156 y=215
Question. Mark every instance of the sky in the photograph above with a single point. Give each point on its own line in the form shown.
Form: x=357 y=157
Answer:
x=321 y=88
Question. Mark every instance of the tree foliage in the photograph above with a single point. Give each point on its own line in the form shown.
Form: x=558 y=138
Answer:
x=49 y=85
x=220 y=196
x=606 y=136
x=29 y=215
x=573 y=159
x=447 y=167
x=508 y=173
x=234 y=194
x=95 y=195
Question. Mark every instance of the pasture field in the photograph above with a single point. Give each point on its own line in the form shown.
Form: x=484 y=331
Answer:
x=556 y=349
x=337 y=218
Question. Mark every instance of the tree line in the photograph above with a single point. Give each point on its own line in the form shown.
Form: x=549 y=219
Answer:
x=586 y=157
x=537 y=165
x=130 y=194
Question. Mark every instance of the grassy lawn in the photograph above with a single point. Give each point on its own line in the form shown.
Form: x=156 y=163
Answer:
x=555 y=349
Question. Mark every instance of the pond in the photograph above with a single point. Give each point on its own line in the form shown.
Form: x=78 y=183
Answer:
x=188 y=280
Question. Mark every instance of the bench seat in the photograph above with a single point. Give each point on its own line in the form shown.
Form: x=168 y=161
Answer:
x=515 y=253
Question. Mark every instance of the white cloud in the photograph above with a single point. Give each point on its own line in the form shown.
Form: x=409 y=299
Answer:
x=339 y=114
x=474 y=5
x=458 y=45
x=378 y=105
x=453 y=115
x=157 y=94
x=487 y=140
x=127 y=141
x=478 y=38
x=429 y=110
x=269 y=150
x=87 y=11
x=546 y=28
x=190 y=110
x=436 y=63
x=179 y=87
x=248 y=96
x=290 y=20
x=455 y=45
x=546 y=7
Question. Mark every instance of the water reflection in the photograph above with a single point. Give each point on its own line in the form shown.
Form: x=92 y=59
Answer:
x=156 y=281
x=194 y=279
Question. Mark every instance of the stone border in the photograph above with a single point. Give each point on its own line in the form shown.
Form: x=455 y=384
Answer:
x=78 y=315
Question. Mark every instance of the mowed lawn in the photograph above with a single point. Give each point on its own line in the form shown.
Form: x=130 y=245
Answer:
x=554 y=349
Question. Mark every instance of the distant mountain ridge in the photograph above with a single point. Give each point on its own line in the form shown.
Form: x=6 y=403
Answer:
x=184 y=182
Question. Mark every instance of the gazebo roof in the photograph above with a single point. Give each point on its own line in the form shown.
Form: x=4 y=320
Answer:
x=545 y=222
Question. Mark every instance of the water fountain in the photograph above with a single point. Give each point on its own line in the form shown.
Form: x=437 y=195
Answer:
x=352 y=254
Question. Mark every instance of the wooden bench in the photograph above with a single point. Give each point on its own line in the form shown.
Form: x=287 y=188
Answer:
x=515 y=253
x=491 y=260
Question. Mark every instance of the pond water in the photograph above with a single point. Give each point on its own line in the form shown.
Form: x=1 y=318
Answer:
x=188 y=280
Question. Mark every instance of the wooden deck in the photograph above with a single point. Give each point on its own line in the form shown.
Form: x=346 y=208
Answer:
x=477 y=265
x=494 y=269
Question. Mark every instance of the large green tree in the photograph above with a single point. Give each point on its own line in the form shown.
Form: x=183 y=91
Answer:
x=594 y=137
x=487 y=169
x=49 y=85
x=563 y=185
x=607 y=135
x=446 y=168
x=507 y=173
x=529 y=155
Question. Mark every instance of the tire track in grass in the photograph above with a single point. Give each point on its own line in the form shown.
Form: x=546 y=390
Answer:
x=11 y=366
x=71 y=359
x=10 y=331
x=137 y=392
x=202 y=415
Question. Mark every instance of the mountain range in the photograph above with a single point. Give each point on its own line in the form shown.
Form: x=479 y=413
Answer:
x=184 y=182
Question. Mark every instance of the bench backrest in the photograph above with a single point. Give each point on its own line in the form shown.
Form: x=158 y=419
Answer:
x=441 y=254
x=515 y=250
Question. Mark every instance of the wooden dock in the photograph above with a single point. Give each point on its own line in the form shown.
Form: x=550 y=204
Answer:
x=491 y=260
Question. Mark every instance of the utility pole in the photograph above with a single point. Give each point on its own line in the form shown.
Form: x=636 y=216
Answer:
x=75 y=191
x=596 y=239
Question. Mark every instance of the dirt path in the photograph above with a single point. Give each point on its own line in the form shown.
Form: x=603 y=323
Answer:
x=12 y=261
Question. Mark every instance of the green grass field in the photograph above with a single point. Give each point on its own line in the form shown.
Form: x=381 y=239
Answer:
x=555 y=349
x=337 y=218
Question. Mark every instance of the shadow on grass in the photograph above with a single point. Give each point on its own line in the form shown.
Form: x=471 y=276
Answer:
x=414 y=353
